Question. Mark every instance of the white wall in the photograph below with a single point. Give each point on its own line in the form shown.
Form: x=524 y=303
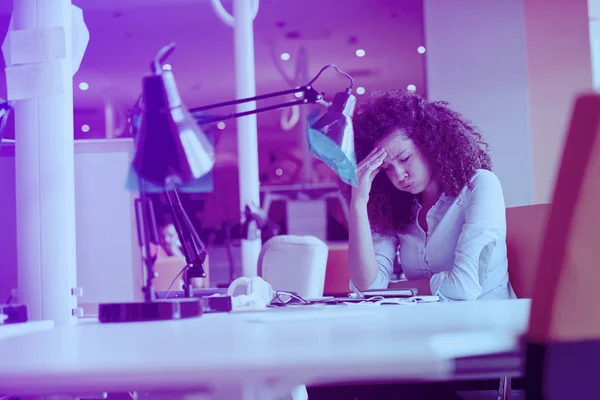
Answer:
x=109 y=265
x=477 y=61
x=560 y=68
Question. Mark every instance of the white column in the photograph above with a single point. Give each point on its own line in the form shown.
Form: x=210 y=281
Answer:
x=246 y=126
x=594 y=17
x=477 y=61
x=45 y=173
x=109 y=120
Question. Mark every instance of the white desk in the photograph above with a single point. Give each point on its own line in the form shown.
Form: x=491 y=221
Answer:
x=268 y=352
x=11 y=330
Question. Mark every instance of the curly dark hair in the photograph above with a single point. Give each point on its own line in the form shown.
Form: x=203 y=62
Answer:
x=452 y=144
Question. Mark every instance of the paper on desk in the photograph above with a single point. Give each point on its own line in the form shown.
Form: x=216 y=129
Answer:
x=382 y=302
x=427 y=299
x=389 y=292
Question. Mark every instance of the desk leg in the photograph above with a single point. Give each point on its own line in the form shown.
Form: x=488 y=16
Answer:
x=260 y=392
x=240 y=391
x=173 y=395
x=505 y=388
x=299 y=393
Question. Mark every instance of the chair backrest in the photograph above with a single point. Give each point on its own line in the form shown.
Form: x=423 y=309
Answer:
x=563 y=353
x=294 y=263
x=525 y=228
x=337 y=279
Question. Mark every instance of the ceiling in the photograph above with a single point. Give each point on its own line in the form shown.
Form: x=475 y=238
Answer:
x=125 y=35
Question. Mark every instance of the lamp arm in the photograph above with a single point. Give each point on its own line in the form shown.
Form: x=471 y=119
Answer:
x=208 y=119
x=161 y=57
x=310 y=95
x=193 y=248
x=337 y=69
x=147 y=235
x=303 y=89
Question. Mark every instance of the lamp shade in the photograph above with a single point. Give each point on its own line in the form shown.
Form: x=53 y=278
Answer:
x=331 y=136
x=170 y=144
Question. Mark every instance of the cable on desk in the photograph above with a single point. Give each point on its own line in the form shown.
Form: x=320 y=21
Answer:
x=375 y=301
x=291 y=295
x=175 y=280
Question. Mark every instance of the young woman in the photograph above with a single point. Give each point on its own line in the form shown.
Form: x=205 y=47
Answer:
x=427 y=203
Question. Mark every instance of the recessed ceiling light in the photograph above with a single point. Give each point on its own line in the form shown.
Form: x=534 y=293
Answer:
x=285 y=56
x=84 y=86
x=421 y=49
x=360 y=53
x=360 y=90
x=221 y=125
x=85 y=128
x=412 y=88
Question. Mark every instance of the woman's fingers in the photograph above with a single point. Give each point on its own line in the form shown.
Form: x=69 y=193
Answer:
x=373 y=152
x=371 y=156
x=376 y=166
x=371 y=164
x=366 y=171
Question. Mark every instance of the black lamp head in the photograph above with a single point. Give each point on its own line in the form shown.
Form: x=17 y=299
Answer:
x=170 y=147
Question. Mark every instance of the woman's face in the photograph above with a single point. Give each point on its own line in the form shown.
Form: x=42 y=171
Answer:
x=169 y=234
x=405 y=165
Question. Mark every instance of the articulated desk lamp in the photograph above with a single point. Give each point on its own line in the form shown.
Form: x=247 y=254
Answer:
x=171 y=150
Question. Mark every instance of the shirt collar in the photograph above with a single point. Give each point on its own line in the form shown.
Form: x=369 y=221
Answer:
x=443 y=197
x=448 y=199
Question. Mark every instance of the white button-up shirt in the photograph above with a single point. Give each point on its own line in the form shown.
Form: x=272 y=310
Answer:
x=464 y=252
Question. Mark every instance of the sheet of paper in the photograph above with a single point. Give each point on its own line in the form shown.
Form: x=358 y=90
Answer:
x=427 y=299
x=34 y=80
x=37 y=45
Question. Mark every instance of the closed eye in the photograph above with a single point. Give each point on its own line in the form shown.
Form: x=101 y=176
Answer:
x=405 y=158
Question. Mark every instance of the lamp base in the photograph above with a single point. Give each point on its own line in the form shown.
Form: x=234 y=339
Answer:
x=160 y=310
x=13 y=313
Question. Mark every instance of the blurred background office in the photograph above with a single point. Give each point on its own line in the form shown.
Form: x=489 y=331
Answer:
x=512 y=66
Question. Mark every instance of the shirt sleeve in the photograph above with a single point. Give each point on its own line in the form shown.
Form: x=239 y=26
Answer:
x=385 y=247
x=485 y=224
